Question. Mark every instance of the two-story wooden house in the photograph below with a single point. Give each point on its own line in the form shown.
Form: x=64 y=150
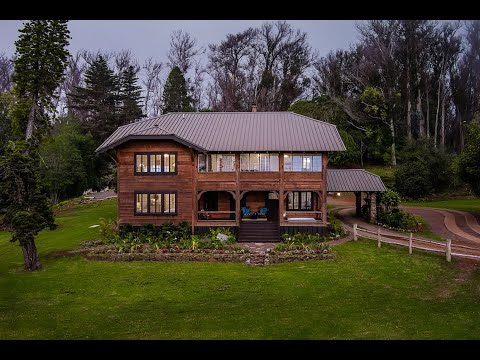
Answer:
x=258 y=172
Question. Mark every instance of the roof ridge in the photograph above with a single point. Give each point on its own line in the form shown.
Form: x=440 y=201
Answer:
x=310 y=118
x=153 y=127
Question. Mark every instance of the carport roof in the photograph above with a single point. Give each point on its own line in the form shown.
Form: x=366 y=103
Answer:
x=353 y=180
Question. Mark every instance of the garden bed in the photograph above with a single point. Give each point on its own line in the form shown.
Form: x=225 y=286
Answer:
x=99 y=251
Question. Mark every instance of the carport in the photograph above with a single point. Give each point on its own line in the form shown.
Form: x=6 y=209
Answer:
x=357 y=181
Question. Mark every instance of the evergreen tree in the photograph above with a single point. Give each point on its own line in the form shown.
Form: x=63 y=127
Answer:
x=175 y=95
x=98 y=102
x=131 y=95
x=40 y=60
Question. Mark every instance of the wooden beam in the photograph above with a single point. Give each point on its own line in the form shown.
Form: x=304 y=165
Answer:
x=194 y=198
x=281 y=195
x=237 y=196
x=200 y=195
x=324 y=188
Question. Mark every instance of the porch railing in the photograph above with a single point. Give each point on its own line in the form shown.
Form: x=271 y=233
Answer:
x=215 y=215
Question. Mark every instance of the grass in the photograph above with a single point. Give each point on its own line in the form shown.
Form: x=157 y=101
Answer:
x=386 y=173
x=467 y=205
x=366 y=293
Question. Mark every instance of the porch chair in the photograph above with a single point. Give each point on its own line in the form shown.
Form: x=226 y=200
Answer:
x=263 y=211
x=246 y=211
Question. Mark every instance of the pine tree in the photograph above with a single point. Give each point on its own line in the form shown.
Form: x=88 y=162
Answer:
x=130 y=93
x=40 y=60
x=175 y=95
x=98 y=102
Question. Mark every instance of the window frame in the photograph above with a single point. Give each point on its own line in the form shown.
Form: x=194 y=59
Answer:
x=260 y=156
x=208 y=163
x=299 y=193
x=149 y=154
x=303 y=156
x=149 y=193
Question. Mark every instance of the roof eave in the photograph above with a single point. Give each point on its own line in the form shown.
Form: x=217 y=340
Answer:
x=101 y=149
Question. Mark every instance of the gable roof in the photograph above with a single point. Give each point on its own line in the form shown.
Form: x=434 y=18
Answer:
x=234 y=131
x=353 y=180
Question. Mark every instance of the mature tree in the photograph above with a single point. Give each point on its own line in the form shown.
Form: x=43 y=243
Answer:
x=285 y=56
x=467 y=164
x=130 y=94
x=97 y=103
x=27 y=211
x=7 y=101
x=6 y=70
x=228 y=66
x=183 y=50
x=175 y=95
x=73 y=77
x=152 y=83
x=40 y=60
x=63 y=170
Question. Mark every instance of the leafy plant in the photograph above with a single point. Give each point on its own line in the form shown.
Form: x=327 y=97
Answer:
x=108 y=229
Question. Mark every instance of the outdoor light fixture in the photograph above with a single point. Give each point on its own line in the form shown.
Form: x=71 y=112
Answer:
x=338 y=194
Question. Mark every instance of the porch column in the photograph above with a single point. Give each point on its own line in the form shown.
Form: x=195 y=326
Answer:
x=237 y=207
x=373 y=208
x=324 y=207
x=358 y=203
x=281 y=205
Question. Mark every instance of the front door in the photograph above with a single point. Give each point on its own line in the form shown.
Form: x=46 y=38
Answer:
x=272 y=205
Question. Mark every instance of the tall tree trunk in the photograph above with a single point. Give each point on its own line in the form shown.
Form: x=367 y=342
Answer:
x=461 y=137
x=31 y=119
x=437 y=114
x=421 y=119
x=409 y=102
x=392 y=132
x=428 y=108
x=30 y=255
x=442 y=124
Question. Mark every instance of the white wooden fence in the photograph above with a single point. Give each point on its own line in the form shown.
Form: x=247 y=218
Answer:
x=449 y=249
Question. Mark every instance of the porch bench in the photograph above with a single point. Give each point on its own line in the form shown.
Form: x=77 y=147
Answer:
x=301 y=219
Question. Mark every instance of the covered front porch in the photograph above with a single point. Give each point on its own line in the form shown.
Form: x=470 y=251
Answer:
x=231 y=208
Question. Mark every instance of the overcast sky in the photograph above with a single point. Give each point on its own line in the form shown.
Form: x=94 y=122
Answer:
x=150 y=38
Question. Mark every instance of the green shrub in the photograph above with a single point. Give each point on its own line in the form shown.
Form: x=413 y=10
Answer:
x=147 y=229
x=425 y=170
x=412 y=180
x=184 y=229
x=125 y=229
x=399 y=219
x=389 y=200
x=108 y=229
x=335 y=226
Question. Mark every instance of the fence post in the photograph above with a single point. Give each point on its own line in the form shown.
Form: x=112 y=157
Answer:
x=410 y=244
x=355 y=233
x=449 y=250
x=378 y=237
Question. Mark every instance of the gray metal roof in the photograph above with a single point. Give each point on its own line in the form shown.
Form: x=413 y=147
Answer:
x=234 y=131
x=353 y=180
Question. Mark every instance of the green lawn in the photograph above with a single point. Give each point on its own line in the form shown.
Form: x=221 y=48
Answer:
x=366 y=293
x=468 y=205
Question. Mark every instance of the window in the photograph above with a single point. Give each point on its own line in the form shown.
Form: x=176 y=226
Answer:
x=303 y=162
x=155 y=163
x=259 y=162
x=299 y=200
x=155 y=203
x=216 y=163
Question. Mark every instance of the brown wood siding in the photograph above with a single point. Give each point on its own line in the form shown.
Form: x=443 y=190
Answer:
x=255 y=200
x=129 y=183
x=188 y=183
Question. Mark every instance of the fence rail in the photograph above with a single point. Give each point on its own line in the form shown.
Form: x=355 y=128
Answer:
x=413 y=242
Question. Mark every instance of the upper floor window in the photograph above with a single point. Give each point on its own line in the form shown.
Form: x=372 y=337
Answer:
x=155 y=163
x=216 y=163
x=259 y=162
x=302 y=162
